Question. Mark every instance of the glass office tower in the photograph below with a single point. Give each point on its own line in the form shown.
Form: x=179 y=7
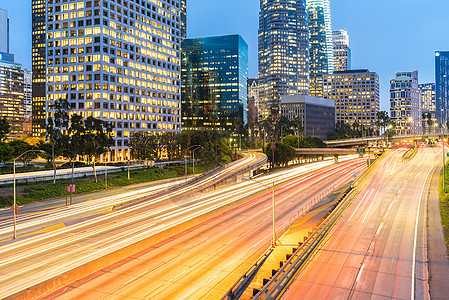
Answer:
x=283 y=51
x=321 y=46
x=342 y=50
x=442 y=86
x=214 y=82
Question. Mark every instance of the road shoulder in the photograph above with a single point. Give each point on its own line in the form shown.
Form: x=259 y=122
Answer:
x=436 y=252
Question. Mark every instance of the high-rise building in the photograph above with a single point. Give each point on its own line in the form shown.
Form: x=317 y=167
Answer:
x=405 y=104
x=4 y=31
x=283 y=51
x=39 y=17
x=11 y=93
x=317 y=115
x=320 y=32
x=428 y=97
x=355 y=93
x=183 y=19
x=214 y=82
x=114 y=60
x=342 y=50
x=27 y=103
x=254 y=103
x=442 y=86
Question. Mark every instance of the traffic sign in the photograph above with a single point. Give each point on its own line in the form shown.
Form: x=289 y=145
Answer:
x=17 y=209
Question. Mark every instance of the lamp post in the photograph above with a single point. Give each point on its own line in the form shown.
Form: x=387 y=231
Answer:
x=14 y=187
x=193 y=151
x=282 y=131
x=273 y=241
x=185 y=157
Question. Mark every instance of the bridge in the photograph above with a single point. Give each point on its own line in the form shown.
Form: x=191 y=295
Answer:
x=364 y=141
x=335 y=151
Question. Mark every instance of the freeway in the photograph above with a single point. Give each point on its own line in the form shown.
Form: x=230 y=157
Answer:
x=203 y=262
x=43 y=216
x=378 y=248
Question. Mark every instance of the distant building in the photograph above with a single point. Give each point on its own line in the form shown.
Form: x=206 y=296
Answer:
x=254 y=103
x=183 y=19
x=11 y=93
x=317 y=115
x=320 y=33
x=355 y=93
x=428 y=97
x=342 y=50
x=283 y=51
x=405 y=104
x=28 y=104
x=214 y=82
x=4 y=31
x=442 y=86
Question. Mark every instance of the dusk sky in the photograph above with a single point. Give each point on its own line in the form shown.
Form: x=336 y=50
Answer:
x=386 y=36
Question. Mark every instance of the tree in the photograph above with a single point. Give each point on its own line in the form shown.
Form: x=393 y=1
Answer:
x=382 y=120
x=5 y=127
x=143 y=145
x=5 y=152
x=283 y=154
x=97 y=139
x=18 y=147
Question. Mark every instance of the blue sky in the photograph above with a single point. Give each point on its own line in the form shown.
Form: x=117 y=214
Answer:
x=387 y=36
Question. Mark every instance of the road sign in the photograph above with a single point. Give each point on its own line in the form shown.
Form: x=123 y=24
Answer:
x=361 y=151
x=354 y=174
x=447 y=154
x=17 y=209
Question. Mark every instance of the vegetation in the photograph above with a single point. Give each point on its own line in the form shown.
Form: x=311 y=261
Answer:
x=444 y=205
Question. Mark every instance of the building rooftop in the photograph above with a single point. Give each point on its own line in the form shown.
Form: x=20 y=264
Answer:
x=297 y=99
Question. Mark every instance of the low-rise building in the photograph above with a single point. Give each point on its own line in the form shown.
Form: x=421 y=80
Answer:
x=317 y=114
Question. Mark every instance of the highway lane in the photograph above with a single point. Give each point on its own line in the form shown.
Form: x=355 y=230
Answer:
x=34 y=260
x=38 y=218
x=377 y=249
x=205 y=261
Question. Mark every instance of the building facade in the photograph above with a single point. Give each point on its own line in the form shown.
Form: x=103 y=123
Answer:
x=283 y=51
x=183 y=19
x=114 y=60
x=317 y=115
x=4 y=31
x=442 y=86
x=355 y=93
x=320 y=32
x=428 y=97
x=405 y=104
x=342 y=50
x=214 y=82
x=11 y=94
x=254 y=103
x=27 y=104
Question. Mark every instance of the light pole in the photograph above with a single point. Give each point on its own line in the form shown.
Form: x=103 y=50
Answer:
x=273 y=241
x=282 y=131
x=185 y=157
x=193 y=151
x=14 y=187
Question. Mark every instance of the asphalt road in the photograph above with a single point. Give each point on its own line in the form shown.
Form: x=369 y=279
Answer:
x=378 y=248
x=40 y=217
x=203 y=262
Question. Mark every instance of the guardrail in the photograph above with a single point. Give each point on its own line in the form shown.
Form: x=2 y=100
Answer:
x=279 y=283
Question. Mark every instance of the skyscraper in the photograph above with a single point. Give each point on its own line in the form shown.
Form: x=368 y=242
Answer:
x=183 y=19
x=214 y=82
x=355 y=93
x=428 y=98
x=114 y=60
x=320 y=28
x=4 y=31
x=442 y=86
x=283 y=51
x=405 y=105
x=342 y=50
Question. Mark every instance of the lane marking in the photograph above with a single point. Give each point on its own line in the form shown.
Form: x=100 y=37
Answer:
x=360 y=273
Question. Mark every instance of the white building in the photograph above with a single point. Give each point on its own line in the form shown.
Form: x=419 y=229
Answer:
x=342 y=50
x=405 y=103
x=116 y=60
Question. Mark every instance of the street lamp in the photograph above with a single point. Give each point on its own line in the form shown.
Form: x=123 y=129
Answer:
x=185 y=156
x=282 y=131
x=14 y=187
x=273 y=242
x=193 y=151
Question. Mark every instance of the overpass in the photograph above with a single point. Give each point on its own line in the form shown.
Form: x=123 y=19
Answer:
x=364 y=141
x=334 y=151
